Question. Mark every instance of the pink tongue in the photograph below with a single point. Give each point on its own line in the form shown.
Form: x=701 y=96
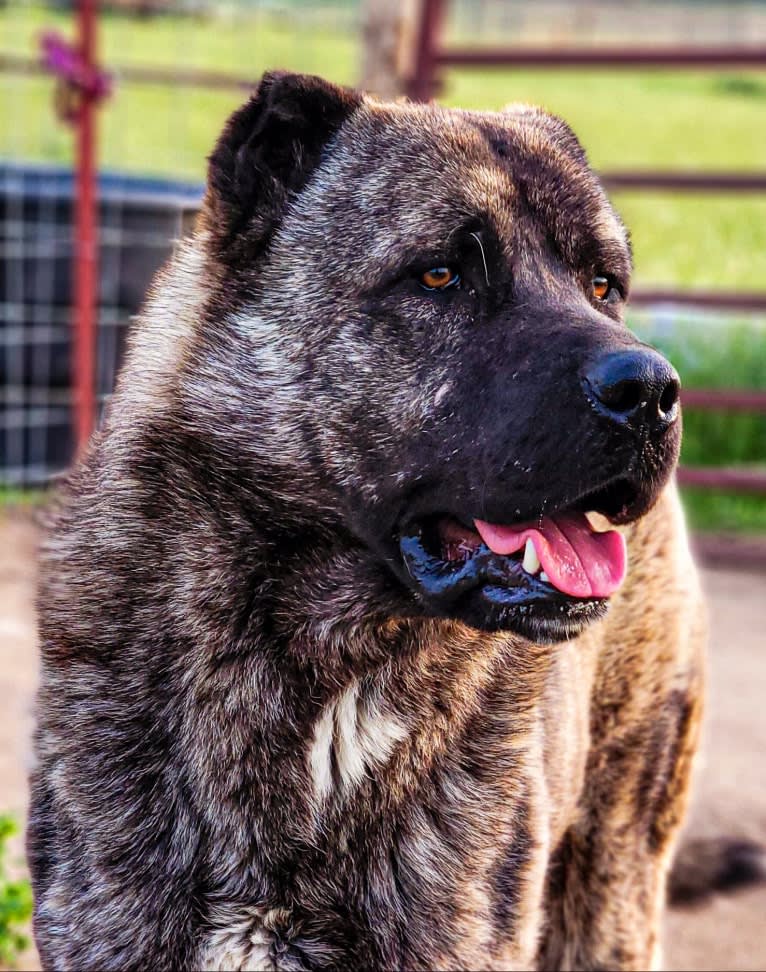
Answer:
x=578 y=561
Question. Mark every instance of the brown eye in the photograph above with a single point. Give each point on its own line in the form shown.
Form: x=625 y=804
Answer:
x=600 y=288
x=439 y=278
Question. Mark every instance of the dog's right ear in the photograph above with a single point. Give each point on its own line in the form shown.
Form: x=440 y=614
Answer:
x=268 y=150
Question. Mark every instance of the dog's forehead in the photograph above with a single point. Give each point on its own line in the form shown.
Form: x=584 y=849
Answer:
x=424 y=158
x=407 y=171
x=403 y=162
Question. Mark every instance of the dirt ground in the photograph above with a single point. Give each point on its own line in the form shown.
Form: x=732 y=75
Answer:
x=728 y=932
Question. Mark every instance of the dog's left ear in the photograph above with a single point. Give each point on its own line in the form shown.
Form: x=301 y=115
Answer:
x=268 y=150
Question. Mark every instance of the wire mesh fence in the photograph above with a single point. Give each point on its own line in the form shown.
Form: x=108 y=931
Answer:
x=138 y=220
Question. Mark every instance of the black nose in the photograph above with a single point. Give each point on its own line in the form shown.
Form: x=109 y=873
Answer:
x=638 y=388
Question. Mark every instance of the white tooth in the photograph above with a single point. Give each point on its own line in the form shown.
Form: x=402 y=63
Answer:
x=531 y=562
x=598 y=522
x=544 y=577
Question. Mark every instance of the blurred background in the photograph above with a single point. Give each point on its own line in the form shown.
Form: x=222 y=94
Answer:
x=108 y=113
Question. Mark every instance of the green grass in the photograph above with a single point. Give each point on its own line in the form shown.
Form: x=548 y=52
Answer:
x=159 y=129
x=697 y=241
x=16 y=496
x=714 y=511
x=15 y=902
x=626 y=120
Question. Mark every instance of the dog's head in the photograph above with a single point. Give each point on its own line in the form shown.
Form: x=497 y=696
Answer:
x=418 y=314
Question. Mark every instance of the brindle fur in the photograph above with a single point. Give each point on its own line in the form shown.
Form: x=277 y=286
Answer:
x=254 y=750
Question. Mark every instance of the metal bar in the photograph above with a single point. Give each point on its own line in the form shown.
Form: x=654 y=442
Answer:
x=422 y=85
x=730 y=550
x=186 y=77
x=189 y=77
x=736 y=480
x=12 y=64
x=194 y=77
x=725 y=399
x=713 y=299
x=687 y=181
x=86 y=240
x=626 y=57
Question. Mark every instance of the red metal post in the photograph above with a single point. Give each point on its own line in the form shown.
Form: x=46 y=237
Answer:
x=86 y=240
x=422 y=86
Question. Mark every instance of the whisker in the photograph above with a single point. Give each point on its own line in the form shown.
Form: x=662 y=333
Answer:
x=483 y=256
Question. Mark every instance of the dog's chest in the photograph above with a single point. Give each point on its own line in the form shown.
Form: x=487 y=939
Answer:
x=441 y=878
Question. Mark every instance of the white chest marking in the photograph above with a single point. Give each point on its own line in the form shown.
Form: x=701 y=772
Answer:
x=241 y=943
x=359 y=733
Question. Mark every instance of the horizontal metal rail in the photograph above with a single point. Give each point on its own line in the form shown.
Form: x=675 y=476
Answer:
x=719 y=56
x=724 y=399
x=684 y=181
x=133 y=74
x=708 y=299
x=738 y=480
x=740 y=551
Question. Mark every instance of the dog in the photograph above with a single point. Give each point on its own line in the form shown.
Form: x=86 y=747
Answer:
x=370 y=634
